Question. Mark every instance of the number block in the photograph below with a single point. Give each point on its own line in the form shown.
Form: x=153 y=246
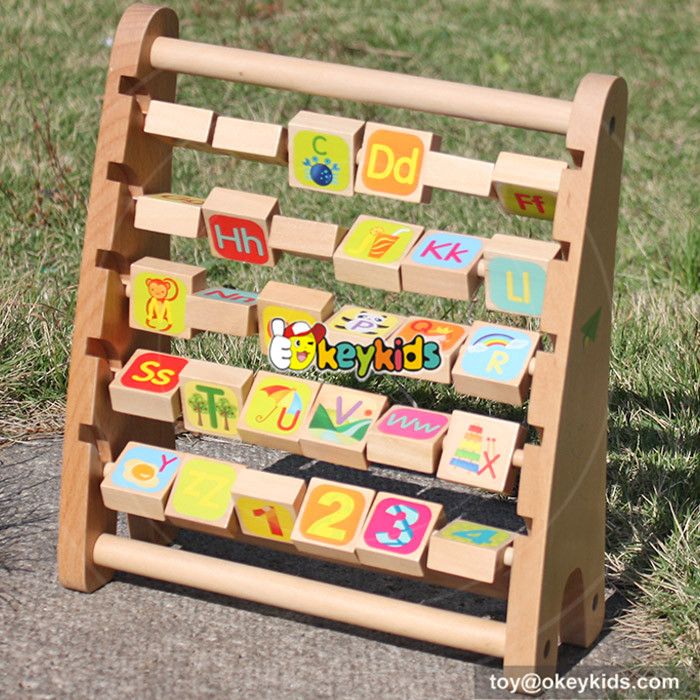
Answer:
x=408 y=437
x=478 y=451
x=516 y=273
x=212 y=396
x=174 y=214
x=527 y=185
x=250 y=140
x=494 y=363
x=360 y=326
x=309 y=239
x=468 y=549
x=331 y=519
x=443 y=264
x=336 y=430
x=158 y=295
x=147 y=386
x=372 y=252
x=322 y=152
x=140 y=480
x=223 y=310
x=397 y=531
x=268 y=504
x=238 y=226
x=275 y=411
x=180 y=124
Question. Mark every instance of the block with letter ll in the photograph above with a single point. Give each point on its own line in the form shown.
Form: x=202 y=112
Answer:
x=392 y=162
x=267 y=504
x=516 y=273
x=360 y=326
x=443 y=264
x=309 y=239
x=158 y=295
x=223 y=310
x=201 y=495
x=275 y=410
x=180 y=124
x=250 y=140
x=408 y=437
x=397 y=531
x=174 y=214
x=478 y=451
x=494 y=363
x=527 y=185
x=322 y=152
x=238 y=225
x=336 y=429
x=148 y=385
x=140 y=480
x=331 y=519
x=468 y=549
x=212 y=397
x=372 y=252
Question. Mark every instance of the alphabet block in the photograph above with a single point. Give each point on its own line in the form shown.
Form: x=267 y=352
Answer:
x=493 y=363
x=516 y=273
x=336 y=430
x=179 y=124
x=443 y=264
x=223 y=310
x=397 y=531
x=174 y=214
x=322 y=152
x=361 y=326
x=392 y=162
x=310 y=239
x=446 y=171
x=372 y=252
x=147 y=386
x=478 y=451
x=158 y=295
x=331 y=519
x=238 y=226
x=408 y=437
x=250 y=140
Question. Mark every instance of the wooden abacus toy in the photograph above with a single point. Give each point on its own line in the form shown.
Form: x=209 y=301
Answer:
x=126 y=391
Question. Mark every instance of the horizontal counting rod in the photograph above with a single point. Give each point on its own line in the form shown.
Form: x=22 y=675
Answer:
x=362 y=85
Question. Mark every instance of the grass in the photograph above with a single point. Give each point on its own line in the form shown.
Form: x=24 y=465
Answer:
x=52 y=69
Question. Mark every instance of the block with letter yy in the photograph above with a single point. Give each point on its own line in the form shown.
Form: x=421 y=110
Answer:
x=174 y=214
x=223 y=310
x=360 y=326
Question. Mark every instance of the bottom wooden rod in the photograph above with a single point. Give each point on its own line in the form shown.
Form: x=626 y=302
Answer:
x=302 y=595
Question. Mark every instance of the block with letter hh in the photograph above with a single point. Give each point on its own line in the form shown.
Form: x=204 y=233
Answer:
x=223 y=310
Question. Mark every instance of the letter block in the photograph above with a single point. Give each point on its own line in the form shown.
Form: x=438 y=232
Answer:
x=478 y=451
x=443 y=264
x=267 y=504
x=238 y=226
x=250 y=140
x=322 y=152
x=331 y=519
x=308 y=239
x=147 y=386
x=408 y=437
x=180 y=124
x=223 y=310
x=372 y=252
x=336 y=430
x=174 y=214
x=360 y=326
x=516 y=273
x=468 y=549
x=158 y=295
x=494 y=363
x=397 y=531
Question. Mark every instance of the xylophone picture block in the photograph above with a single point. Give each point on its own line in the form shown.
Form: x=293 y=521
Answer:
x=179 y=124
x=250 y=140
x=223 y=310
x=360 y=326
x=307 y=239
x=174 y=214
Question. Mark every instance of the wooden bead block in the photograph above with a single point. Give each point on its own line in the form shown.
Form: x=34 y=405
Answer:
x=372 y=252
x=392 y=162
x=223 y=310
x=179 y=124
x=493 y=363
x=446 y=171
x=212 y=397
x=201 y=496
x=360 y=326
x=275 y=411
x=174 y=214
x=147 y=386
x=140 y=480
x=158 y=295
x=408 y=437
x=397 y=531
x=238 y=226
x=336 y=430
x=331 y=519
x=268 y=504
x=309 y=239
x=443 y=264
x=322 y=152
x=250 y=140
x=478 y=451
x=468 y=549
x=527 y=185
x=516 y=273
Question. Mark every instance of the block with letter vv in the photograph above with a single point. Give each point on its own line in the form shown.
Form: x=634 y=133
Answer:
x=223 y=310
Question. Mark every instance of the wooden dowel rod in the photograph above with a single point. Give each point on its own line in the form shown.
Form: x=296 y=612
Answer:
x=302 y=595
x=362 y=84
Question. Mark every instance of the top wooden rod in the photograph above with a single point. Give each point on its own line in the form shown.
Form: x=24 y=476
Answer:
x=362 y=85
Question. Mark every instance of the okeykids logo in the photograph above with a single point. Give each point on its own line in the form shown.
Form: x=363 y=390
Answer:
x=297 y=346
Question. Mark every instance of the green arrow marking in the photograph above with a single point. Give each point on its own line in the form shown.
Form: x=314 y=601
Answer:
x=590 y=328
